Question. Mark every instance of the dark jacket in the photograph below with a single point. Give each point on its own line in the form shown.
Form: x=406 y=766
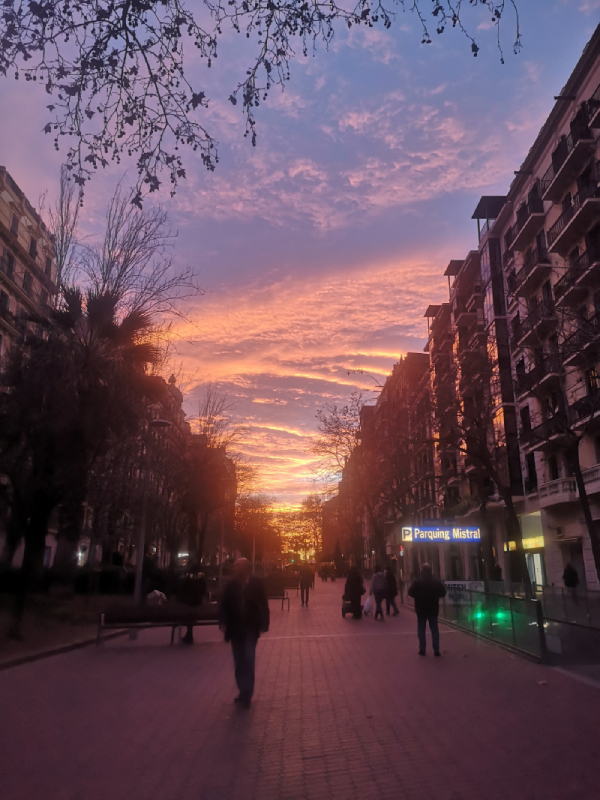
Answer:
x=570 y=577
x=354 y=588
x=244 y=609
x=427 y=591
x=306 y=576
x=392 y=586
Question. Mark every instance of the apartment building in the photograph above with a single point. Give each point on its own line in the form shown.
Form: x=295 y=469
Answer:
x=27 y=263
x=549 y=231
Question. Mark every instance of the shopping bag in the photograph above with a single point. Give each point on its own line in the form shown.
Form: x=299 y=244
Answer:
x=369 y=606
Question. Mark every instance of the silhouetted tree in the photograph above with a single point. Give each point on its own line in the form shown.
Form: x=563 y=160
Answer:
x=116 y=74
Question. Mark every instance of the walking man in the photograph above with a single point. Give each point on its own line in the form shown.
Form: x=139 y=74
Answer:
x=427 y=591
x=244 y=616
x=378 y=590
x=391 y=591
x=306 y=578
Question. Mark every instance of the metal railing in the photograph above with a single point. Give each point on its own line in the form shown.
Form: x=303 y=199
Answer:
x=534 y=205
x=514 y=622
x=561 y=154
x=574 y=272
x=576 y=606
x=578 y=200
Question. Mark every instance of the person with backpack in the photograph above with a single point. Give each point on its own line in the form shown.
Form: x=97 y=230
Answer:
x=427 y=591
x=378 y=590
x=244 y=615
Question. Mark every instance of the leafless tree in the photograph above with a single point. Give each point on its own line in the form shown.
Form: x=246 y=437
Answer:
x=134 y=260
x=116 y=73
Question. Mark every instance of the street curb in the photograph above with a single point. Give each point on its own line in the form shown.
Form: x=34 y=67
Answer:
x=57 y=651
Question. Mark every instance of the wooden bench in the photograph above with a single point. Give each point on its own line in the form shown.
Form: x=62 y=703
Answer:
x=279 y=594
x=170 y=615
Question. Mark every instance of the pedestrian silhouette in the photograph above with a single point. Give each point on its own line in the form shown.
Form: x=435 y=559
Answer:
x=306 y=579
x=354 y=590
x=427 y=591
x=378 y=590
x=391 y=591
x=244 y=615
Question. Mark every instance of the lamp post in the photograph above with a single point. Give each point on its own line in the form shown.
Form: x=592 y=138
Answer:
x=139 y=556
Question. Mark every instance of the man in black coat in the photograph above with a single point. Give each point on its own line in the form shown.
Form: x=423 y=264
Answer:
x=427 y=591
x=244 y=616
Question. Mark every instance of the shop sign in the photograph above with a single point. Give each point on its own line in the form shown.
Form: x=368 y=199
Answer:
x=412 y=533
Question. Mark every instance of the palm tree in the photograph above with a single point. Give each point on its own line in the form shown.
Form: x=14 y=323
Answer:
x=74 y=386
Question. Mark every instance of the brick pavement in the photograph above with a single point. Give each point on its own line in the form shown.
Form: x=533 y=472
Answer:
x=343 y=709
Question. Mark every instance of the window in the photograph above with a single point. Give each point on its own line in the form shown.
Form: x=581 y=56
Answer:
x=531 y=473
x=525 y=419
x=33 y=250
x=553 y=472
x=8 y=264
x=27 y=282
x=547 y=297
x=48 y=268
x=43 y=298
x=14 y=225
x=3 y=302
x=591 y=380
x=597 y=449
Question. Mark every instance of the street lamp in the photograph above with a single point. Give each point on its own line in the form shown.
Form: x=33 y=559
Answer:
x=139 y=558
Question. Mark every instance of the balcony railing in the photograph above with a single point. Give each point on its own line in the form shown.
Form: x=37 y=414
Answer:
x=582 y=341
x=541 y=315
x=507 y=257
x=547 y=430
x=573 y=274
x=550 y=365
x=534 y=206
x=586 y=406
x=569 y=213
x=561 y=155
x=537 y=256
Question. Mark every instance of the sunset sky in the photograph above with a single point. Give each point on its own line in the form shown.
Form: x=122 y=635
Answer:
x=320 y=249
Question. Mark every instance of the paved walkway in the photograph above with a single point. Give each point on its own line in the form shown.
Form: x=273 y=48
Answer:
x=343 y=709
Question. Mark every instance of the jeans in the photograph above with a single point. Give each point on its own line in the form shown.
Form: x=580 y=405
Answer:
x=433 y=627
x=379 y=596
x=304 y=594
x=391 y=602
x=244 y=654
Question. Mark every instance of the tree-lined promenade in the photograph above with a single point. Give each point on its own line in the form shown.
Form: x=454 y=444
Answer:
x=342 y=709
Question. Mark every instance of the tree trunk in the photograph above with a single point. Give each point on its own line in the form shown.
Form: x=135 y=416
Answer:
x=33 y=562
x=573 y=455
x=514 y=530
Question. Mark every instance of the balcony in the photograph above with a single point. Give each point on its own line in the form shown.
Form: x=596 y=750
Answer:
x=549 y=431
x=536 y=268
x=583 y=345
x=575 y=221
x=537 y=324
x=545 y=372
x=530 y=219
x=568 y=160
x=582 y=274
x=593 y=106
x=554 y=493
x=464 y=316
x=507 y=258
x=586 y=406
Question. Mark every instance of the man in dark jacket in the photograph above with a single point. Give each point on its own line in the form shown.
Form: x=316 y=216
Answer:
x=244 y=616
x=391 y=592
x=426 y=592
x=354 y=590
x=306 y=578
